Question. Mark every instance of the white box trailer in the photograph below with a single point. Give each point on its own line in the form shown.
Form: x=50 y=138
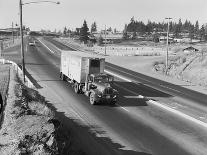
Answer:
x=77 y=65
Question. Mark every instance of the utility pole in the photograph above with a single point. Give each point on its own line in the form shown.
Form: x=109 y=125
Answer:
x=13 y=32
x=105 y=39
x=22 y=42
x=166 y=68
x=21 y=30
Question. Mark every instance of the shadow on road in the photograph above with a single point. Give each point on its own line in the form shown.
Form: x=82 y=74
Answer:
x=84 y=140
x=35 y=83
x=129 y=88
x=129 y=93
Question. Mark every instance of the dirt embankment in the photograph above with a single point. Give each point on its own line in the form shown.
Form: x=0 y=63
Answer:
x=4 y=82
x=29 y=125
x=191 y=68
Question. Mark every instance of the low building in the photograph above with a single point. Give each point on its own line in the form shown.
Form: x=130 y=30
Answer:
x=109 y=37
x=190 y=49
x=163 y=39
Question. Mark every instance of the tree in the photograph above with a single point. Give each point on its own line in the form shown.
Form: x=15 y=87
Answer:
x=69 y=32
x=65 y=31
x=191 y=31
x=93 y=27
x=125 y=36
x=100 y=40
x=202 y=32
x=84 y=34
x=178 y=28
x=109 y=29
x=134 y=35
x=115 y=30
x=196 y=29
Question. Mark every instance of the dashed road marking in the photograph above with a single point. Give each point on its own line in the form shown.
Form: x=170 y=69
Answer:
x=122 y=107
x=46 y=46
x=121 y=77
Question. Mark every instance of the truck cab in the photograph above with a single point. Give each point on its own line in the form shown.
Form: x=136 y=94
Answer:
x=99 y=88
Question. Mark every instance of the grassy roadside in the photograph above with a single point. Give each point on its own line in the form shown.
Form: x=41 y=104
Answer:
x=4 y=79
x=30 y=126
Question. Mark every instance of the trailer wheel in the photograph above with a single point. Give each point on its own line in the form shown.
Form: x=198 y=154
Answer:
x=62 y=76
x=92 y=99
x=113 y=102
x=76 y=88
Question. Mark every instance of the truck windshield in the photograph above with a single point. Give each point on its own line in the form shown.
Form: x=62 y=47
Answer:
x=101 y=79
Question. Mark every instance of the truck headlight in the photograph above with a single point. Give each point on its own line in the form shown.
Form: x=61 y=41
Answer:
x=114 y=96
x=99 y=95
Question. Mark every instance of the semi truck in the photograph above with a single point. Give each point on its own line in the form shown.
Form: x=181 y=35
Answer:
x=85 y=72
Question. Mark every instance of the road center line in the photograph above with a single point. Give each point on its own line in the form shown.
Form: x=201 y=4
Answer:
x=45 y=46
x=122 y=107
x=121 y=77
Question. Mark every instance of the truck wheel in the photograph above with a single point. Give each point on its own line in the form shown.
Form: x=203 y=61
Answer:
x=113 y=102
x=76 y=88
x=92 y=99
x=62 y=76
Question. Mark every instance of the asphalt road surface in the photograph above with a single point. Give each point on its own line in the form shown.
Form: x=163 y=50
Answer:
x=134 y=126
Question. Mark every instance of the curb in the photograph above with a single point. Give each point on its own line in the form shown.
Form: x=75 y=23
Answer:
x=28 y=82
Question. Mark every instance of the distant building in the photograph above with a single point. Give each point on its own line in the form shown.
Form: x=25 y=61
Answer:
x=177 y=40
x=190 y=50
x=163 y=39
x=108 y=37
x=9 y=31
x=186 y=40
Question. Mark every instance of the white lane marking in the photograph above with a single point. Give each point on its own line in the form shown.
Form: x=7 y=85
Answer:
x=46 y=46
x=26 y=48
x=121 y=77
x=122 y=107
x=163 y=106
x=179 y=113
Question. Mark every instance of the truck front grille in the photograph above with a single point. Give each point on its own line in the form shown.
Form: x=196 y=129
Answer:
x=108 y=91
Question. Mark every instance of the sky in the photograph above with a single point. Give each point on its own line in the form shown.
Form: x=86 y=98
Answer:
x=112 y=13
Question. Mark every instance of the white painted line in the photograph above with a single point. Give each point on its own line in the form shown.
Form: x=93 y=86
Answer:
x=122 y=107
x=179 y=113
x=121 y=77
x=163 y=106
x=26 y=48
x=46 y=46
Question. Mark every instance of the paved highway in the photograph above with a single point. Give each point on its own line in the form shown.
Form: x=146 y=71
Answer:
x=135 y=125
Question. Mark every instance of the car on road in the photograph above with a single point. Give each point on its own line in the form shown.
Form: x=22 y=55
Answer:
x=32 y=43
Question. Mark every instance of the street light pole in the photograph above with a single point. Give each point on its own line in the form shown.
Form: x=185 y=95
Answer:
x=13 y=32
x=21 y=32
x=166 y=69
x=105 y=39
x=22 y=42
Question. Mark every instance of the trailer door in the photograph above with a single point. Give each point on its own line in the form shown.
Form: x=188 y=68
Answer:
x=94 y=66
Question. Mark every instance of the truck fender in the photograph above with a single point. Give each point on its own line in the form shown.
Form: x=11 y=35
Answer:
x=95 y=96
x=94 y=91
